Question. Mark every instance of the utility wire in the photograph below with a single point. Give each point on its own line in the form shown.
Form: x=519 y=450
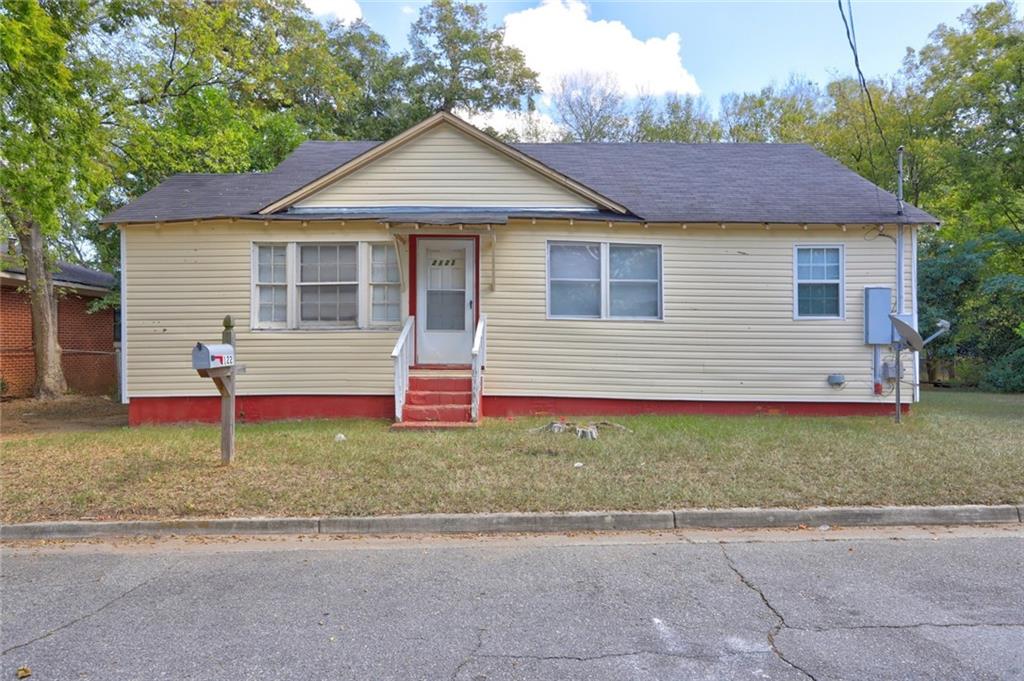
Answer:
x=851 y=38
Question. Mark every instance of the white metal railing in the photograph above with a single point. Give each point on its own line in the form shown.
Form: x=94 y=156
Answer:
x=479 y=355
x=402 y=356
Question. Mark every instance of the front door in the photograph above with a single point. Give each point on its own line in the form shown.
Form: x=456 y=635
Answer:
x=445 y=291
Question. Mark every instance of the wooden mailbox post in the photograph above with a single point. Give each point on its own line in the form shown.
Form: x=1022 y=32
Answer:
x=218 y=362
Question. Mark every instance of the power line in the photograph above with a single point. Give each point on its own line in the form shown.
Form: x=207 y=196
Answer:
x=851 y=38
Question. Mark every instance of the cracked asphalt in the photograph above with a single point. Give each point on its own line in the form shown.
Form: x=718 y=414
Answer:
x=848 y=604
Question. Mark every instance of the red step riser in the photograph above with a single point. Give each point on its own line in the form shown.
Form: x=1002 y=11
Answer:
x=424 y=413
x=451 y=384
x=425 y=398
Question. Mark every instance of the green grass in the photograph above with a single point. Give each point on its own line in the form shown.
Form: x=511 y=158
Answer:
x=956 y=447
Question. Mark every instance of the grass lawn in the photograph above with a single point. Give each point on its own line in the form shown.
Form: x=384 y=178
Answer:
x=956 y=447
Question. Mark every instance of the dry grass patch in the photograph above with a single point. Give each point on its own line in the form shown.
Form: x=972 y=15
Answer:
x=955 y=448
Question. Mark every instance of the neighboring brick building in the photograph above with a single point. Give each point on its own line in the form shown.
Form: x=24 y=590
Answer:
x=88 y=352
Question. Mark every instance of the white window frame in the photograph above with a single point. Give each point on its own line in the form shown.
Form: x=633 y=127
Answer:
x=371 y=283
x=254 y=303
x=605 y=282
x=292 y=264
x=299 y=285
x=797 y=281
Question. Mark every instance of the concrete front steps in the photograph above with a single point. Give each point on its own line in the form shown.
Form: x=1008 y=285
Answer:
x=437 y=399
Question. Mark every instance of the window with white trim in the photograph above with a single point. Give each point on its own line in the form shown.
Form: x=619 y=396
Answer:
x=603 y=280
x=325 y=285
x=818 y=272
x=328 y=285
x=385 y=288
x=271 y=302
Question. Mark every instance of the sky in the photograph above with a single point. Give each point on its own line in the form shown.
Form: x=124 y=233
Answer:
x=682 y=47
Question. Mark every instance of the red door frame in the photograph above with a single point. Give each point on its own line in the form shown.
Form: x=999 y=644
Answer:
x=414 y=284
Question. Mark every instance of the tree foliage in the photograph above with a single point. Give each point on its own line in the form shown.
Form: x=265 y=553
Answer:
x=462 y=63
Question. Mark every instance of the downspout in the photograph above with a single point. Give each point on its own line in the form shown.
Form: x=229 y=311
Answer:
x=901 y=306
x=900 y=302
x=913 y=310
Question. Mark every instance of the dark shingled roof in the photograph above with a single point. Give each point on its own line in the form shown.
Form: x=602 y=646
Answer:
x=660 y=182
x=68 y=274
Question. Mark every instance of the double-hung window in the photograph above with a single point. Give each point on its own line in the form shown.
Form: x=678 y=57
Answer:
x=602 y=280
x=385 y=288
x=271 y=274
x=328 y=285
x=316 y=285
x=818 y=273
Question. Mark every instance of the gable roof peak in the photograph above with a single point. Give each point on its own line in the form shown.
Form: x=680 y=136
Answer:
x=465 y=128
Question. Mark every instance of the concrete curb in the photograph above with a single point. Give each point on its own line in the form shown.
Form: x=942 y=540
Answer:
x=436 y=523
x=84 y=529
x=846 y=516
x=499 y=522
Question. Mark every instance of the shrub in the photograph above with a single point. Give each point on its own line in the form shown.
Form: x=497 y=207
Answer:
x=1007 y=374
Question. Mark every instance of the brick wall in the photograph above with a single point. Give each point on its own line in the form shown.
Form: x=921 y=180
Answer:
x=17 y=366
x=86 y=340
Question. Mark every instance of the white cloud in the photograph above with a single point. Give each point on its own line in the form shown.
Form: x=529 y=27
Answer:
x=558 y=37
x=535 y=127
x=345 y=11
x=408 y=10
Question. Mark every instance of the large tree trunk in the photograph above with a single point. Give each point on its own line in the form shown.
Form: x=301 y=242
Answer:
x=50 y=383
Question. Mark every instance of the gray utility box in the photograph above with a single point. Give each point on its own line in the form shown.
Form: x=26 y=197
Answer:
x=877 y=306
x=213 y=356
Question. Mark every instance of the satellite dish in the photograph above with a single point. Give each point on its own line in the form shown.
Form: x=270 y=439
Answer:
x=907 y=333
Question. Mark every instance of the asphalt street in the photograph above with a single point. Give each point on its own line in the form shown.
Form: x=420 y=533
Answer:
x=884 y=604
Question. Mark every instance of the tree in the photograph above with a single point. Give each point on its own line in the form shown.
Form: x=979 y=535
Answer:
x=462 y=63
x=100 y=101
x=222 y=87
x=682 y=119
x=973 y=78
x=787 y=114
x=384 y=105
x=52 y=146
x=590 y=108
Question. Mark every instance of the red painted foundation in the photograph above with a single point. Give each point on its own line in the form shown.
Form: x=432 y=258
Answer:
x=586 y=406
x=259 y=408
x=279 y=407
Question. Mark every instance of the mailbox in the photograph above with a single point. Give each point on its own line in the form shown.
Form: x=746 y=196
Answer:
x=213 y=356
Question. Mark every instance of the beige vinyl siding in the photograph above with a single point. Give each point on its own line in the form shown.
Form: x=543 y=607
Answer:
x=728 y=331
x=183 y=279
x=444 y=167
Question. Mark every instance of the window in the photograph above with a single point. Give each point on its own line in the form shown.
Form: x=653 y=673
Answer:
x=635 y=276
x=272 y=285
x=329 y=284
x=604 y=280
x=325 y=285
x=819 y=282
x=385 y=291
x=575 y=280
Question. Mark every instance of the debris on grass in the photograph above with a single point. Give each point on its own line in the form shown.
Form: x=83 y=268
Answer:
x=584 y=431
x=340 y=437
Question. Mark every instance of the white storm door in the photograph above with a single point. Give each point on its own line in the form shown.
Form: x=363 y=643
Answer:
x=446 y=286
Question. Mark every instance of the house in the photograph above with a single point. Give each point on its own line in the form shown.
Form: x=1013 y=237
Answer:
x=442 y=275
x=87 y=339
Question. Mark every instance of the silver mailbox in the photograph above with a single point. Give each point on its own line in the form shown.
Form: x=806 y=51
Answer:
x=212 y=356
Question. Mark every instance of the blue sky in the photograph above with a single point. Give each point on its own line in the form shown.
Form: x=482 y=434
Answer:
x=741 y=46
x=684 y=47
